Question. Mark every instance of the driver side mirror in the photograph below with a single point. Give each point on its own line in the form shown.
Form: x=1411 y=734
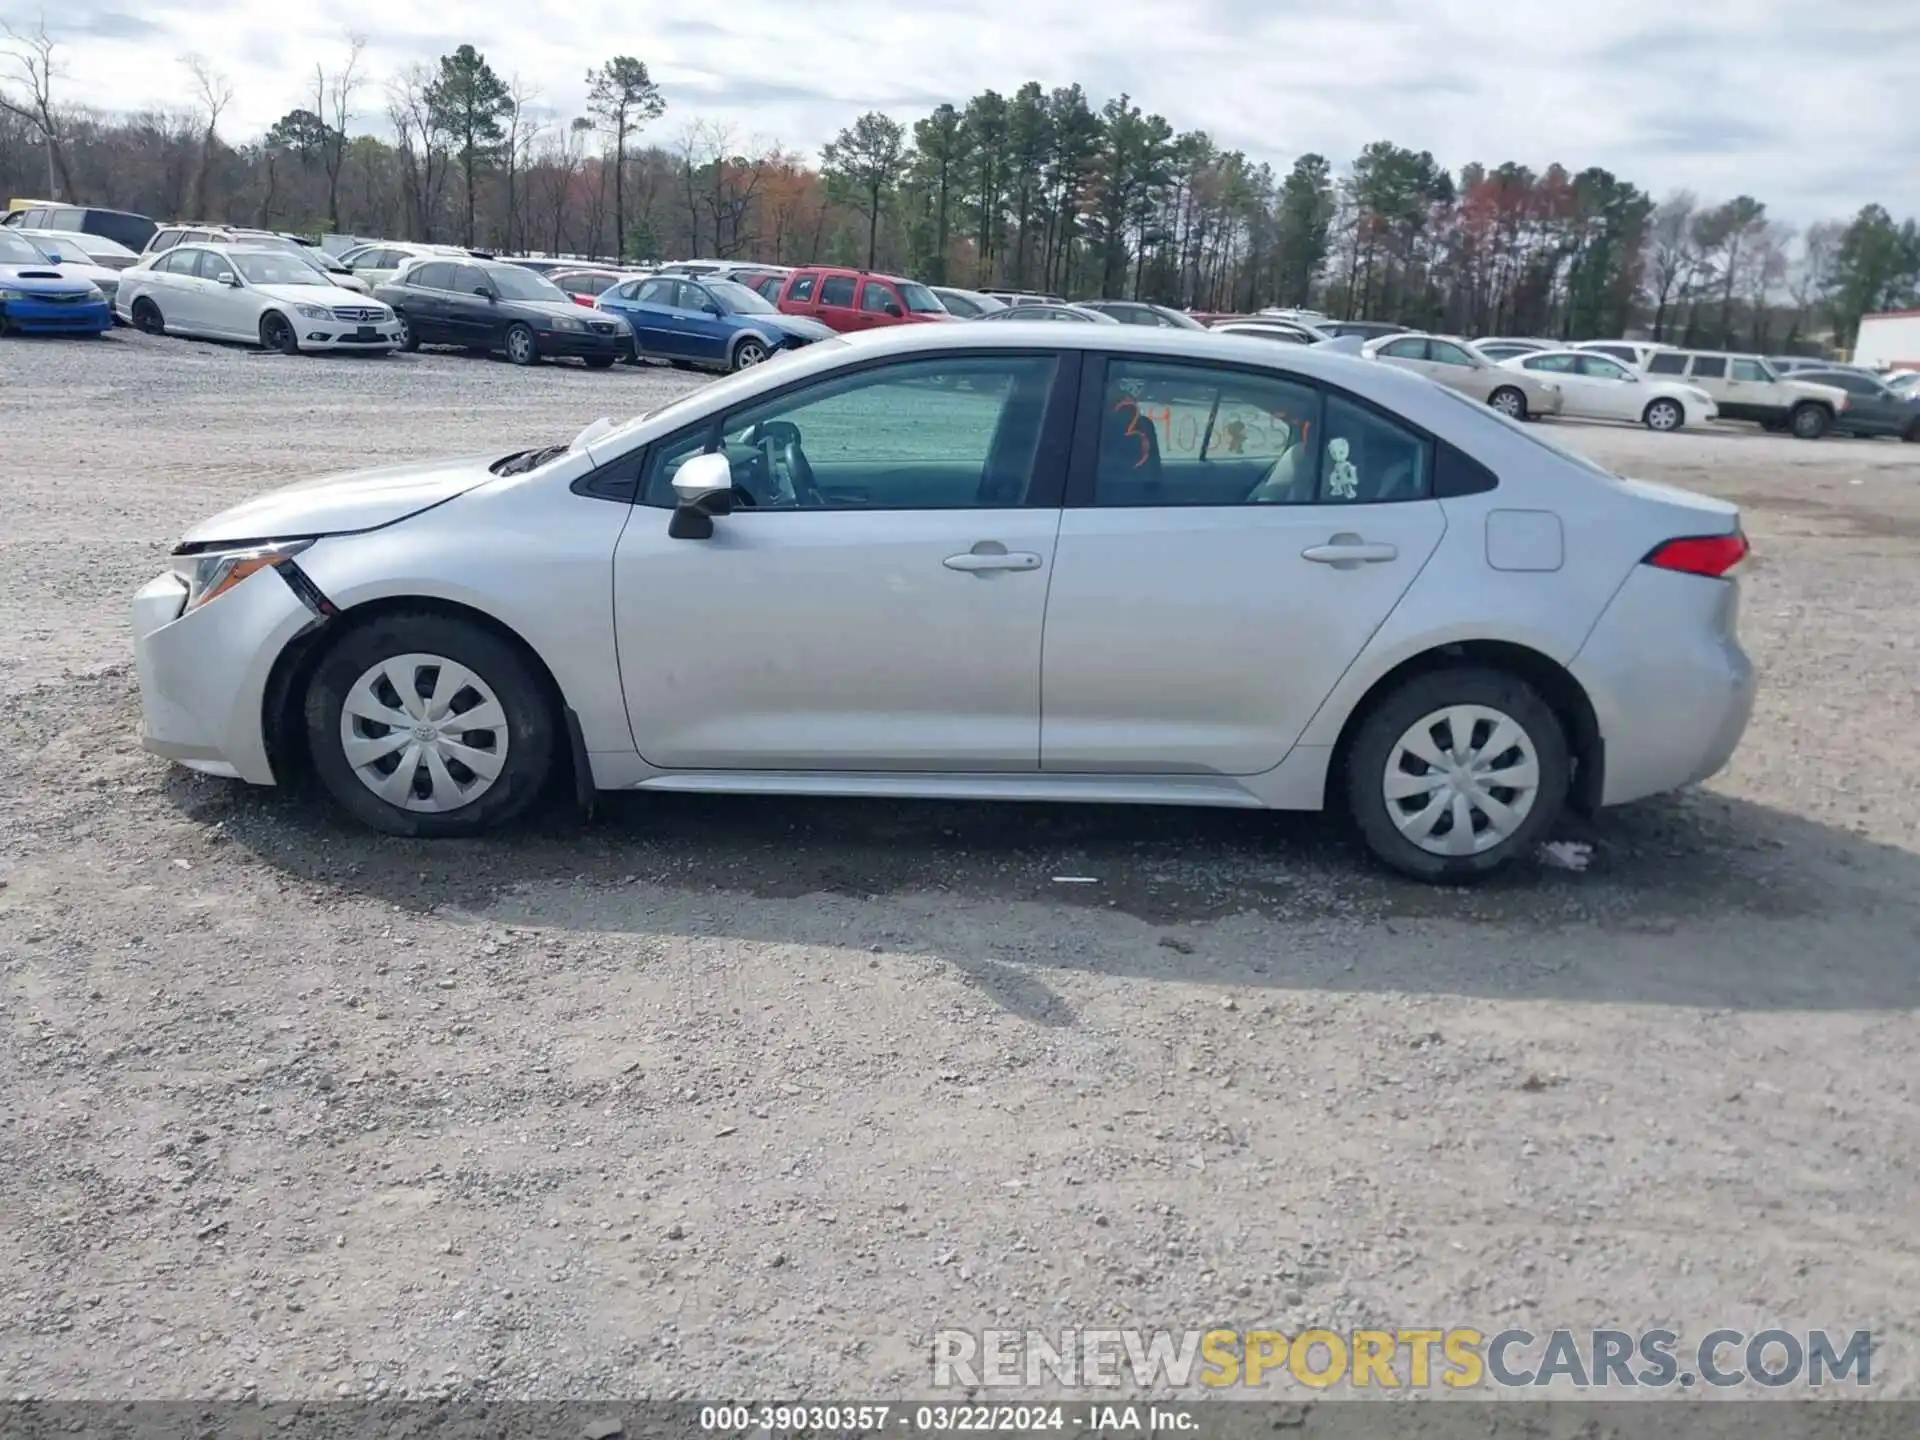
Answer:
x=893 y=308
x=702 y=489
x=228 y=277
x=487 y=293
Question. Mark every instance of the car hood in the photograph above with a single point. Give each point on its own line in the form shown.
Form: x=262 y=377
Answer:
x=798 y=326
x=338 y=504
x=326 y=295
x=543 y=307
x=40 y=279
x=80 y=270
x=1832 y=394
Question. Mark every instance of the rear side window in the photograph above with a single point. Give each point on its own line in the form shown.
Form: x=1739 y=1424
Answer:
x=803 y=288
x=838 y=290
x=165 y=240
x=434 y=275
x=1558 y=364
x=1667 y=364
x=1709 y=367
x=1406 y=349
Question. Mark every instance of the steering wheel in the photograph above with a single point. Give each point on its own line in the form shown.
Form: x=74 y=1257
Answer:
x=782 y=438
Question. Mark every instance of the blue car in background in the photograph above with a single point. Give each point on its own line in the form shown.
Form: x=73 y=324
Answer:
x=715 y=324
x=36 y=299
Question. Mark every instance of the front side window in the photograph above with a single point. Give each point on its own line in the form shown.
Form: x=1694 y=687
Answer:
x=1667 y=364
x=837 y=290
x=876 y=298
x=1750 y=370
x=1406 y=349
x=1179 y=434
x=1709 y=367
x=216 y=267
x=1445 y=352
x=945 y=434
x=1601 y=368
x=803 y=288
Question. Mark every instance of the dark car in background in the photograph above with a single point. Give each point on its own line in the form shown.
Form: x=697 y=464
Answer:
x=487 y=306
x=123 y=226
x=1139 y=312
x=1876 y=409
x=715 y=324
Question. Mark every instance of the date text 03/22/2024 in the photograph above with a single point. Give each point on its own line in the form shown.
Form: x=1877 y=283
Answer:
x=949 y=1419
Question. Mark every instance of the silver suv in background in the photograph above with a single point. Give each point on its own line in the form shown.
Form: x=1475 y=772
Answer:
x=1745 y=387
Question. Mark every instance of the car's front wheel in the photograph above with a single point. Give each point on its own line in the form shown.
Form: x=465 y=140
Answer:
x=1509 y=402
x=427 y=725
x=1664 y=415
x=749 y=353
x=1456 y=772
x=522 y=348
x=277 y=334
x=1809 y=422
x=409 y=341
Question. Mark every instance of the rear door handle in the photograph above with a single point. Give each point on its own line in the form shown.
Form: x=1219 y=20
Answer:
x=1346 y=551
x=983 y=561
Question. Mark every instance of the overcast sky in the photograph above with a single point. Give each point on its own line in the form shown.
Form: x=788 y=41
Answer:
x=1812 y=107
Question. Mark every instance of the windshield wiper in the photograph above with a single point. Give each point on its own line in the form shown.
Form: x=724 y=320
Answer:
x=522 y=461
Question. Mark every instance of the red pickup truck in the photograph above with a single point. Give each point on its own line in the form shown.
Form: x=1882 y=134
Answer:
x=848 y=300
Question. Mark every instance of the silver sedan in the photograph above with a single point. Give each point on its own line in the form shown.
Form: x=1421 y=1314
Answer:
x=1012 y=562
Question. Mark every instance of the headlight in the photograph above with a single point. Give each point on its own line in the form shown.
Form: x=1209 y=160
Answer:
x=314 y=312
x=6 y=294
x=212 y=573
x=94 y=292
x=564 y=322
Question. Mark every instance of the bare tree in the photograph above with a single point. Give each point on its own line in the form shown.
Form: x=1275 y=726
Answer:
x=31 y=59
x=1810 y=277
x=523 y=127
x=214 y=92
x=1672 y=259
x=423 y=146
x=333 y=103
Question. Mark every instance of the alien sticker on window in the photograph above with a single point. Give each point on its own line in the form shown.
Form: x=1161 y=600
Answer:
x=1343 y=479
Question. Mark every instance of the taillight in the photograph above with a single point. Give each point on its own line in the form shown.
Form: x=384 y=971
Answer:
x=1711 y=555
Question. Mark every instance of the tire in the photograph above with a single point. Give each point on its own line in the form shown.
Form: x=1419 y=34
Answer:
x=354 y=684
x=1664 y=415
x=409 y=341
x=277 y=334
x=1510 y=402
x=522 y=347
x=1774 y=427
x=1912 y=437
x=600 y=362
x=1481 y=700
x=1809 y=422
x=147 y=317
x=747 y=354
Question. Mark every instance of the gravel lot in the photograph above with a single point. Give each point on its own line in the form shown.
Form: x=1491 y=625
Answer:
x=750 y=1096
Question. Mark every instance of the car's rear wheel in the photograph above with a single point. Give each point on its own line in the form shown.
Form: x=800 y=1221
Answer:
x=1912 y=437
x=522 y=348
x=428 y=725
x=1456 y=772
x=409 y=341
x=1809 y=422
x=276 y=333
x=1664 y=415
x=147 y=317
x=1509 y=402
x=749 y=353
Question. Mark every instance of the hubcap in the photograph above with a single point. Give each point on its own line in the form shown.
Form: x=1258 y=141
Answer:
x=424 y=733
x=1507 y=403
x=1664 y=417
x=750 y=355
x=521 y=345
x=1461 y=780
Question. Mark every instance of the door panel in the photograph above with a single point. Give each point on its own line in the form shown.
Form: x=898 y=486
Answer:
x=834 y=640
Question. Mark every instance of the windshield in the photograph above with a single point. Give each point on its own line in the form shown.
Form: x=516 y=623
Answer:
x=513 y=283
x=60 y=251
x=278 y=270
x=15 y=250
x=920 y=299
x=738 y=299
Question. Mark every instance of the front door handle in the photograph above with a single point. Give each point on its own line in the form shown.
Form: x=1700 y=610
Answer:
x=990 y=557
x=1345 y=551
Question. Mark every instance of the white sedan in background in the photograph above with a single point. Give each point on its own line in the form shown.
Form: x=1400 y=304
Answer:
x=378 y=262
x=72 y=261
x=1598 y=387
x=265 y=297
